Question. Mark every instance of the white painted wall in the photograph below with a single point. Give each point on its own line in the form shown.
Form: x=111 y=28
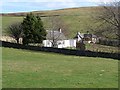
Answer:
x=61 y=43
x=72 y=43
x=47 y=43
x=94 y=40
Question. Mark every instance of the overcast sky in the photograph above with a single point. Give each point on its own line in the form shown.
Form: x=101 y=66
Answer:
x=9 y=6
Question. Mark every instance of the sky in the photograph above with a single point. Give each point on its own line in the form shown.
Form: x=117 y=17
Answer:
x=11 y=6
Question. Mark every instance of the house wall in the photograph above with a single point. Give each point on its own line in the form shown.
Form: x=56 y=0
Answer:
x=72 y=43
x=94 y=40
x=67 y=43
x=61 y=43
x=47 y=43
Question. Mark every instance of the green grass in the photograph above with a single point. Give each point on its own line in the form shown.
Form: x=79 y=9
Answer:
x=101 y=48
x=9 y=20
x=22 y=68
x=76 y=19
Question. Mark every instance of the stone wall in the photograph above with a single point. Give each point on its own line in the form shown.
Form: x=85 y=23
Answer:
x=63 y=51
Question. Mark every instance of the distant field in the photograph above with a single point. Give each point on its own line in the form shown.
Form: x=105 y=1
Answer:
x=9 y=20
x=77 y=19
x=29 y=69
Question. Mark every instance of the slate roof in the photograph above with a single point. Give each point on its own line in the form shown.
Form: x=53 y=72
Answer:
x=84 y=35
x=90 y=36
x=87 y=35
x=55 y=34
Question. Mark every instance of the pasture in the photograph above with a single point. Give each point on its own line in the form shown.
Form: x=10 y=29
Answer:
x=81 y=19
x=9 y=20
x=76 y=19
x=30 y=69
x=102 y=48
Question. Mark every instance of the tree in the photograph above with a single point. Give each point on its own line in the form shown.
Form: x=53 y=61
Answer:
x=58 y=30
x=109 y=15
x=33 y=30
x=15 y=31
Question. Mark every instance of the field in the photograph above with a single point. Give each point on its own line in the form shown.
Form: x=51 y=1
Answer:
x=81 y=19
x=29 y=69
x=102 y=48
x=76 y=19
x=9 y=20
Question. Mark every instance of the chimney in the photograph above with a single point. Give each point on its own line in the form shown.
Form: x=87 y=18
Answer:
x=78 y=33
x=60 y=30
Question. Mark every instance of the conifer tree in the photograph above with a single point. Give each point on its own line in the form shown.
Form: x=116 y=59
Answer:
x=33 y=30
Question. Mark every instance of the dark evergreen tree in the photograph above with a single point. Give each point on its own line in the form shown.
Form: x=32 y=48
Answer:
x=33 y=30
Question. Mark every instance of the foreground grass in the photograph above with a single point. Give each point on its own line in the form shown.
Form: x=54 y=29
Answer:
x=30 y=69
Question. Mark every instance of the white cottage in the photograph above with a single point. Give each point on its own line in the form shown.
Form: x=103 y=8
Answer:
x=58 y=38
x=60 y=41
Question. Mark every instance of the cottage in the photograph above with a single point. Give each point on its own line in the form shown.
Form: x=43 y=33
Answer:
x=58 y=39
x=90 y=38
x=79 y=37
x=86 y=38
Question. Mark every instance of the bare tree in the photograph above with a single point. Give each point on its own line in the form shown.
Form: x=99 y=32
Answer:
x=58 y=30
x=109 y=15
x=15 y=31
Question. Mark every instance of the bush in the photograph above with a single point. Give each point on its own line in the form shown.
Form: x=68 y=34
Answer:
x=80 y=46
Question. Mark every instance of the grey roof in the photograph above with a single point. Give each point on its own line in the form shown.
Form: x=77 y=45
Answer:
x=55 y=34
x=85 y=35
x=90 y=36
x=94 y=36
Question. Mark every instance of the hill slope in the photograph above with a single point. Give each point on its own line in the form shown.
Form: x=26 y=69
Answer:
x=76 y=19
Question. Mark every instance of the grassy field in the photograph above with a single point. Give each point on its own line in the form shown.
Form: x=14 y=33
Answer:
x=81 y=19
x=76 y=19
x=22 y=68
x=101 y=48
x=74 y=24
x=9 y=20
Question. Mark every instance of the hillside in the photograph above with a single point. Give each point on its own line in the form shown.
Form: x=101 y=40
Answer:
x=76 y=19
x=58 y=12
